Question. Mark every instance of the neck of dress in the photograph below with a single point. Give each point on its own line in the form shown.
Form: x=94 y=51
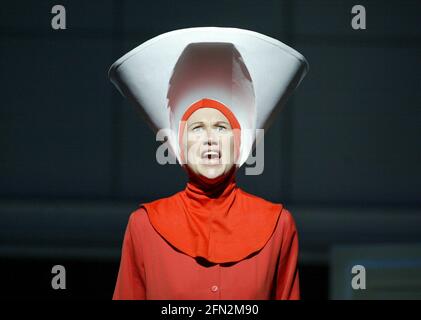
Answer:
x=211 y=195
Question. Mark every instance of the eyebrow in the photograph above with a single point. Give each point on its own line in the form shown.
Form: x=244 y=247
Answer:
x=201 y=122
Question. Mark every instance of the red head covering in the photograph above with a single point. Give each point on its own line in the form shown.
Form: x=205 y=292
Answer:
x=213 y=218
x=209 y=103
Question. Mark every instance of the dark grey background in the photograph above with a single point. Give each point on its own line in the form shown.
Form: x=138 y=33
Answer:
x=344 y=155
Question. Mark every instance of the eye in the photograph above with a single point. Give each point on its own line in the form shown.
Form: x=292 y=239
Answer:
x=197 y=129
x=221 y=128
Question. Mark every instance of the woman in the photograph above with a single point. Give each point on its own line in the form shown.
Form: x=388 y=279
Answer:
x=211 y=240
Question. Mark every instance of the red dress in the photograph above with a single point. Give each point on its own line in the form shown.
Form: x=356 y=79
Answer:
x=152 y=269
x=211 y=240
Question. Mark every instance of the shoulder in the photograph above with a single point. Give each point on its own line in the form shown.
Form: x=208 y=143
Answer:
x=286 y=218
x=286 y=221
x=160 y=203
x=286 y=224
x=138 y=219
x=259 y=201
x=140 y=214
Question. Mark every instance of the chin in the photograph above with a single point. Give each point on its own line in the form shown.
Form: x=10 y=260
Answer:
x=212 y=172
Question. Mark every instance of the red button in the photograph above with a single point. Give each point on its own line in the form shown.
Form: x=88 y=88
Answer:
x=214 y=288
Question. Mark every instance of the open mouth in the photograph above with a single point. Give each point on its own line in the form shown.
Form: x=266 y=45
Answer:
x=211 y=157
x=211 y=154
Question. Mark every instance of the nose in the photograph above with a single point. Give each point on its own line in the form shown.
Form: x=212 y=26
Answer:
x=211 y=138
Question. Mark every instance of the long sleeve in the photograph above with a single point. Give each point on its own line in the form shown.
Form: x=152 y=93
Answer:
x=131 y=284
x=287 y=280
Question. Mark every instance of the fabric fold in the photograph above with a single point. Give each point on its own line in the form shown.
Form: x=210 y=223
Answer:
x=224 y=224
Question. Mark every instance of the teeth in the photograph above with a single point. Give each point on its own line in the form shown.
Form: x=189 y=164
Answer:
x=212 y=154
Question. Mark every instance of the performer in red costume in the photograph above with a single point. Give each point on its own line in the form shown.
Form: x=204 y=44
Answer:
x=211 y=88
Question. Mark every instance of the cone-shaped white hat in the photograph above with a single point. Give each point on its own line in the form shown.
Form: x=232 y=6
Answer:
x=250 y=73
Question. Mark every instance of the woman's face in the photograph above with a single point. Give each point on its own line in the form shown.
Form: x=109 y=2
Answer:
x=209 y=141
